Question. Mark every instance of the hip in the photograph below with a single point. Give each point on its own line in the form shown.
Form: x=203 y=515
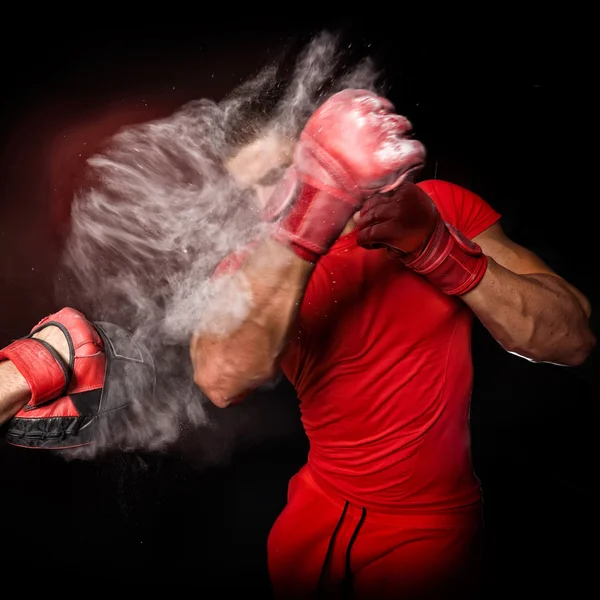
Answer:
x=322 y=539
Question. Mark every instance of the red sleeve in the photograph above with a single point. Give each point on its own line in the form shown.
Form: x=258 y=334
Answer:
x=469 y=213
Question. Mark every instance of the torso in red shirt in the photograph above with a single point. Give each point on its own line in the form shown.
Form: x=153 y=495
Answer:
x=381 y=361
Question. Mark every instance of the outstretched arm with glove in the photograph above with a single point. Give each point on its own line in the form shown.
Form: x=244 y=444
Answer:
x=69 y=377
x=15 y=393
x=528 y=308
x=353 y=147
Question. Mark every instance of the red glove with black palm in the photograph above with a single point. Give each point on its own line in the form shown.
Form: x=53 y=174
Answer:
x=408 y=224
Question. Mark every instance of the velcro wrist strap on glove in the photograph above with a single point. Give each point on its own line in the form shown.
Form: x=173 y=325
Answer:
x=315 y=223
x=452 y=262
x=308 y=215
x=44 y=371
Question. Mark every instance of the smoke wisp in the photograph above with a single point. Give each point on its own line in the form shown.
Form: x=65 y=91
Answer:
x=158 y=214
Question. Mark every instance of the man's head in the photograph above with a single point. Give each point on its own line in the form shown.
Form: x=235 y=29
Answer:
x=263 y=118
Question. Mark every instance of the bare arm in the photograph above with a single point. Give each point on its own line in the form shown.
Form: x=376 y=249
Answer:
x=528 y=308
x=330 y=177
x=228 y=364
x=14 y=391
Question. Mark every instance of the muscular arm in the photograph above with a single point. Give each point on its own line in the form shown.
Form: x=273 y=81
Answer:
x=527 y=308
x=227 y=364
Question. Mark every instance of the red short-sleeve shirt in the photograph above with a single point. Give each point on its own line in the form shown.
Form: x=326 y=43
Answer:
x=381 y=361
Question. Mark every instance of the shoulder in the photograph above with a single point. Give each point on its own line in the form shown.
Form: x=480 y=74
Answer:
x=460 y=207
x=448 y=196
x=439 y=188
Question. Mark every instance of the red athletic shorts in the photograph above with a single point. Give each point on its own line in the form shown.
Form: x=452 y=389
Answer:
x=322 y=546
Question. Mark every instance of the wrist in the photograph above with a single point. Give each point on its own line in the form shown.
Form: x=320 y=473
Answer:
x=274 y=258
x=315 y=222
x=450 y=261
x=298 y=248
x=14 y=391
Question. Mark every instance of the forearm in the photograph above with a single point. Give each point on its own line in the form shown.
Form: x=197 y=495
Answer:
x=14 y=391
x=352 y=147
x=231 y=356
x=536 y=316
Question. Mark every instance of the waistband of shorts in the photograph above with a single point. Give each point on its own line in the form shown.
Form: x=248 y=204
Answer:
x=403 y=516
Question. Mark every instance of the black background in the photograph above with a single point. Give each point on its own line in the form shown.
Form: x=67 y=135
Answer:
x=502 y=109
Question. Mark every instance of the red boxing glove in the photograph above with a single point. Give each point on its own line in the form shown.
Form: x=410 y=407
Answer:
x=68 y=400
x=352 y=147
x=409 y=225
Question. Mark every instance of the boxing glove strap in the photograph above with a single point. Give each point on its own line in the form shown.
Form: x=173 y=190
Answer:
x=313 y=202
x=315 y=223
x=44 y=371
x=450 y=261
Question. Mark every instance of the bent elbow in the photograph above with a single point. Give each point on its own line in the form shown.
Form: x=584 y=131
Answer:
x=212 y=389
x=225 y=391
x=208 y=375
x=220 y=400
x=583 y=349
x=225 y=379
x=571 y=355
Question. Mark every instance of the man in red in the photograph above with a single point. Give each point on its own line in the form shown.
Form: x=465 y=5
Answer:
x=364 y=293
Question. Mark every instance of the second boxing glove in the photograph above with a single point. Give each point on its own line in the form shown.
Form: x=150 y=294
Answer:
x=408 y=224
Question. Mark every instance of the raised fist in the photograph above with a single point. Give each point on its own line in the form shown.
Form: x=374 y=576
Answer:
x=352 y=147
x=360 y=131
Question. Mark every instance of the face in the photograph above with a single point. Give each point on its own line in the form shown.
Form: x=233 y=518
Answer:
x=261 y=164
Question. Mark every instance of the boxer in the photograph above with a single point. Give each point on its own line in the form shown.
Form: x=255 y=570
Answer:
x=364 y=293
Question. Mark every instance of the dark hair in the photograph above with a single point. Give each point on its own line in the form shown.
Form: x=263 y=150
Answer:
x=284 y=94
x=250 y=109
